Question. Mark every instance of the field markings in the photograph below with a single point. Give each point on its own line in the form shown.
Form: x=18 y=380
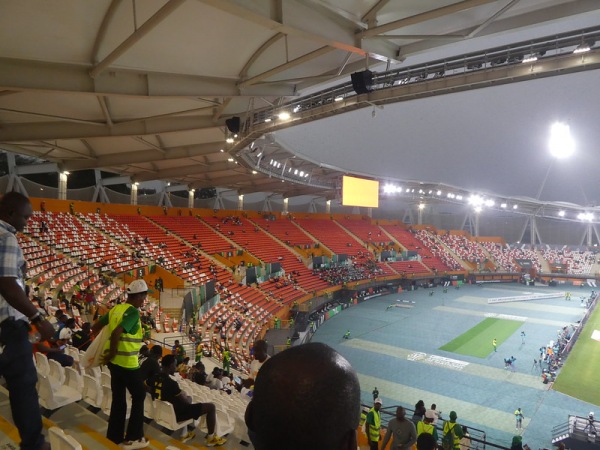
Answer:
x=524 y=306
x=480 y=370
x=469 y=312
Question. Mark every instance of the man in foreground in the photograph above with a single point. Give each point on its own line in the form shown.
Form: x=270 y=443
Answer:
x=121 y=357
x=16 y=313
x=163 y=387
x=306 y=397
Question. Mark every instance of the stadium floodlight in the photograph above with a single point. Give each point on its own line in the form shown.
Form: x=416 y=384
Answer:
x=475 y=200
x=284 y=115
x=421 y=206
x=439 y=192
x=339 y=98
x=478 y=209
x=561 y=213
x=229 y=140
x=489 y=203
x=503 y=205
x=267 y=120
x=561 y=142
x=515 y=206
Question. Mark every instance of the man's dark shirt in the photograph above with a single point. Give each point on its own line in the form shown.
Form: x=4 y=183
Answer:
x=149 y=368
x=81 y=340
x=163 y=387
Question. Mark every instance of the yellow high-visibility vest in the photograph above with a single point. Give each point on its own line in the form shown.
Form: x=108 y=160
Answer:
x=129 y=345
x=374 y=429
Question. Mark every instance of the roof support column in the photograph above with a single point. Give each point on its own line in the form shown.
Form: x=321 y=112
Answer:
x=285 y=205
x=191 y=198
x=134 y=193
x=62 y=185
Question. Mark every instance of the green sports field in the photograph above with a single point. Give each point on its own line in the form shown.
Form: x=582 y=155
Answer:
x=579 y=373
x=478 y=340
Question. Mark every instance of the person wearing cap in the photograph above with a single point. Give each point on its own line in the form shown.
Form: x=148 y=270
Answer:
x=450 y=426
x=426 y=425
x=373 y=425
x=403 y=430
x=121 y=356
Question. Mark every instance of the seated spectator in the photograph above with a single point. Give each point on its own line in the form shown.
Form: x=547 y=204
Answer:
x=184 y=367
x=81 y=338
x=66 y=332
x=163 y=387
x=55 y=350
x=306 y=397
x=198 y=374
x=151 y=366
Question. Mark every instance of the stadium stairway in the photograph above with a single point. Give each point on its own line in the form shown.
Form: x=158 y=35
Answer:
x=89 y=430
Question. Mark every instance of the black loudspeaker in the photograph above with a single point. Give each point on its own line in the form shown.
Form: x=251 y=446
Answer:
x=362 y=82
x=233 y=124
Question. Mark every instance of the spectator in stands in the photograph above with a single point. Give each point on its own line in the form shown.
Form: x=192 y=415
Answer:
x=260 y=356
x=419 y=412
x=16 y=312
x=178 y=351
x=403 y=430
x=163 y=387
x=151 y=366
x=198 y=374
x=306 y=397
x=55 y=350
x=81 y=338
x=436 y=413
x=121 y=357
x=66 y=333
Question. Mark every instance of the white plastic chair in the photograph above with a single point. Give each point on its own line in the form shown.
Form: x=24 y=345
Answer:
x=41 y=364
x=164 y=415
x=92 y=391
x=52 y=399
x=149 y=407
x=61 y=441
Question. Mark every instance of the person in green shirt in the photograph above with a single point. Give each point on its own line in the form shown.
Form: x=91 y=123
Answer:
x=373 y=425
x=121 y=357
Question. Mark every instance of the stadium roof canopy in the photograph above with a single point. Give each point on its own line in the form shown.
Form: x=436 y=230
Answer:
x=144 y=89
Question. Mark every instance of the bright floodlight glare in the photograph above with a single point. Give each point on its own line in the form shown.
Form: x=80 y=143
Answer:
x=284 y=115
x=561 y=213
x=561 y=142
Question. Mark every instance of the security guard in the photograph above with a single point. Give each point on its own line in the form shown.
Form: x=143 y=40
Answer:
x=121 y=357
x=373 y=425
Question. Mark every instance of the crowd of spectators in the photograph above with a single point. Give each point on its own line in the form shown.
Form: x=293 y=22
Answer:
x=361 y=267
x=437 y=248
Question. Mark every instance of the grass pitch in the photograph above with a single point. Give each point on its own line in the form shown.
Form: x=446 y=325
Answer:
x=580 y=371
x=478 y=340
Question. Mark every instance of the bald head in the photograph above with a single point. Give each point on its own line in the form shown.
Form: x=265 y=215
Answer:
x=306 y=397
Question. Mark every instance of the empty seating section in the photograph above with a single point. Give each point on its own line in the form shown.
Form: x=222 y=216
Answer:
x=287 y=232
x=464 y=248
x=409 y=268
x=247 y=235
x=67 y=234
x=163 y=247
x=365 y=231
x=196 y=233
x=334 y=237
x=407 y=239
